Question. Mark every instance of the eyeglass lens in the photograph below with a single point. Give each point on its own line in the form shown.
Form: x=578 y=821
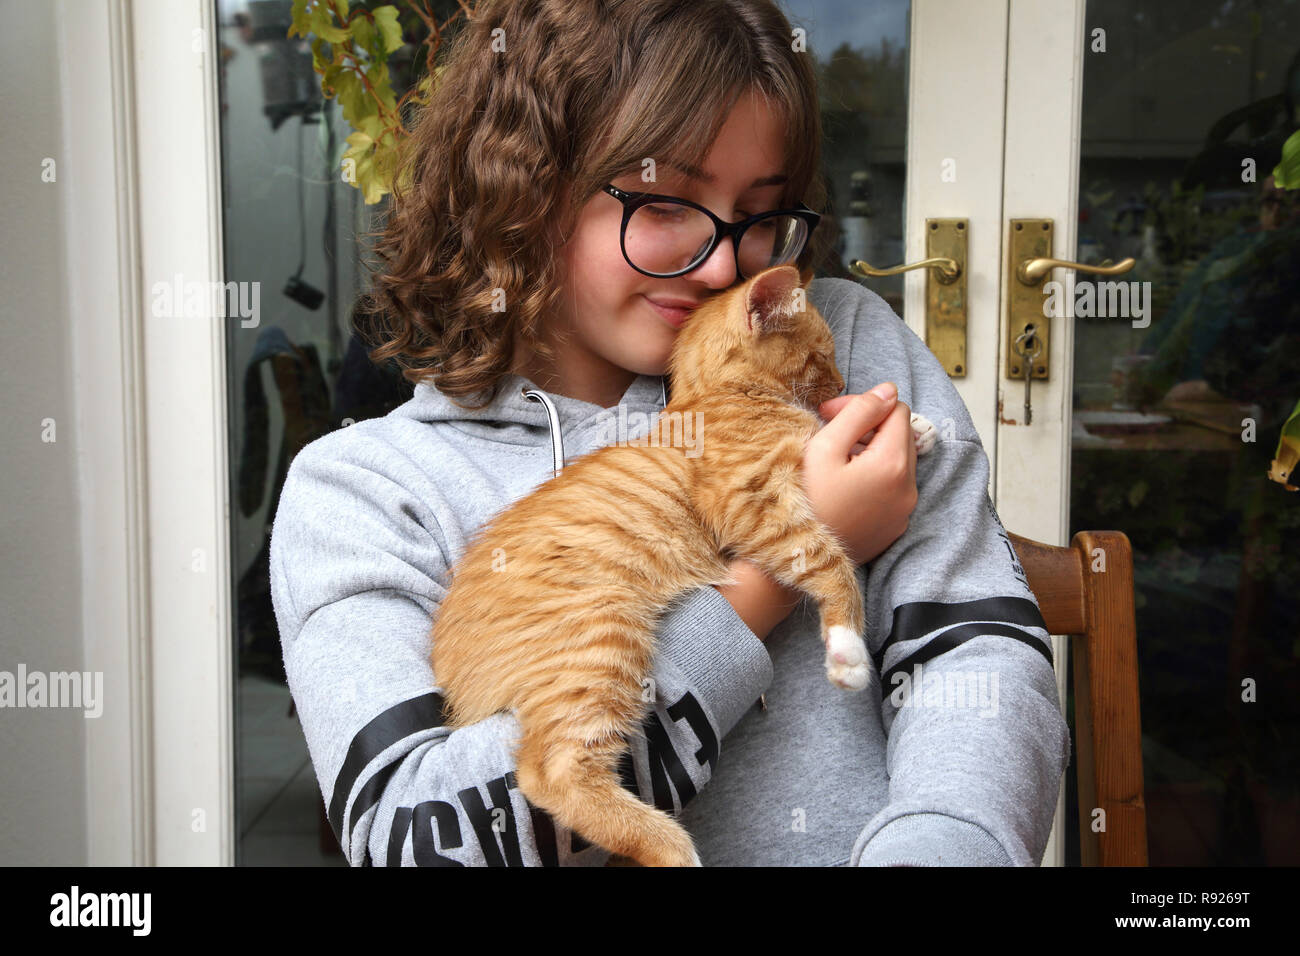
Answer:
x=667 y=237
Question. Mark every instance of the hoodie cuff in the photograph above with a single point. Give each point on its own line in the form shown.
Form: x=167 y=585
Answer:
x=930 y=839
x=721 y=659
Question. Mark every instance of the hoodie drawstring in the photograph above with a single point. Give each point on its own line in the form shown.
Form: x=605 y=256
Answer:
x=553 y=420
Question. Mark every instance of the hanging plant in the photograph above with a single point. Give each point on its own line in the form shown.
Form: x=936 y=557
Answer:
x=350 y=50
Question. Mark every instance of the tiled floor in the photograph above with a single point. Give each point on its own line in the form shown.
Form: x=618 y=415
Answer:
x=279 y=802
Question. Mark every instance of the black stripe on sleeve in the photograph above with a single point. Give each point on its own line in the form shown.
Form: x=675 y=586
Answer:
x=395 y=724
x=921 y=617
x=955 y=636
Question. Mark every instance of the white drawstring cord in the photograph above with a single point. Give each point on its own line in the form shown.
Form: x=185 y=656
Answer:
x=557 y=440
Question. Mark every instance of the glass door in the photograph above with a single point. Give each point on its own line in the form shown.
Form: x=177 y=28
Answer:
x=1167 y=385
x=1178 y=409
x=290 y=225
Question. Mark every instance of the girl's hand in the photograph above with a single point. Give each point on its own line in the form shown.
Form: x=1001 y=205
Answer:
x=859 y=470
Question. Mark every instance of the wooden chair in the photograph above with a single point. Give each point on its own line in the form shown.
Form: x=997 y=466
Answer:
x=1095 y=608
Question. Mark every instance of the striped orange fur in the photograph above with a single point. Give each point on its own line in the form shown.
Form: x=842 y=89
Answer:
x=562 y=631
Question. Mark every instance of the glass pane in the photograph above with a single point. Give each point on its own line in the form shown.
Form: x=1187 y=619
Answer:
x=1179 y=400
x=291 y=225
x=861 y=51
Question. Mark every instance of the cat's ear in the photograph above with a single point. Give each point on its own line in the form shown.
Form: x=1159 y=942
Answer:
x=806 y=276
x=770 y=300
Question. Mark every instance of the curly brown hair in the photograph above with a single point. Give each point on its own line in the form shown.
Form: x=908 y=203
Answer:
x=568 y=96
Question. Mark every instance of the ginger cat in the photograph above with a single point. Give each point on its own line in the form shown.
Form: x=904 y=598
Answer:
x=564 y=633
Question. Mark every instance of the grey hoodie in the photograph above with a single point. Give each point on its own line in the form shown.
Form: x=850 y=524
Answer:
x=960 y=763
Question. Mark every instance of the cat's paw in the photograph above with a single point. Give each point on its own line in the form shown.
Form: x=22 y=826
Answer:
x=847 y=664
x=924 y=432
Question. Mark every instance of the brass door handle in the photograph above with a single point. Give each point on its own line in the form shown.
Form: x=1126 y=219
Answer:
x=945 y=297
x=946 y=270
x=1029 y=325
x=1031 y=271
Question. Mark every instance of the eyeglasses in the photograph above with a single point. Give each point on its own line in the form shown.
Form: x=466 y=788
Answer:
x=663 y=236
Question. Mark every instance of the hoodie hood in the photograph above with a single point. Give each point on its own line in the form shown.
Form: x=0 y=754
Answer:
x=522 y=414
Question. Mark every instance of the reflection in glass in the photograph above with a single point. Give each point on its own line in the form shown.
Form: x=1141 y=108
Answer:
x=289 y=224
x=1178 y=403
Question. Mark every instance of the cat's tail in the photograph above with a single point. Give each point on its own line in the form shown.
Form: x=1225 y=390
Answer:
x=577 y=784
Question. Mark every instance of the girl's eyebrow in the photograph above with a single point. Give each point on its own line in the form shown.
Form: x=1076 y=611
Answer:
x=694 y=172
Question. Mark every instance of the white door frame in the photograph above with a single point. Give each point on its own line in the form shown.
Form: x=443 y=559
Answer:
x=955 y=116
x=142 y=166
x=1045 y=52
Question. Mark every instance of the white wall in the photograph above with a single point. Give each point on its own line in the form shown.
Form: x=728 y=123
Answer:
x=42 y=750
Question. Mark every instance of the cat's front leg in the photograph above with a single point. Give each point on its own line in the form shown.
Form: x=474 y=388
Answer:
x=810 y=558
x=848 y=664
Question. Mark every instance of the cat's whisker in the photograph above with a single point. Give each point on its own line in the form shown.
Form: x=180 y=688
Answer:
x=801 y=391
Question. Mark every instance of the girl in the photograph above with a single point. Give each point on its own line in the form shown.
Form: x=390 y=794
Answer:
x=515 y=301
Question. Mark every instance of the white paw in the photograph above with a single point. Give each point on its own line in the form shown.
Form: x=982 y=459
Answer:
x=847 y=665
x=924 y=432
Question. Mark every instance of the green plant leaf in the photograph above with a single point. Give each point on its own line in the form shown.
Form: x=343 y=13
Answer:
x=299 y=17
x=1137 y=493
x=363 y=34
x=359 y=141
x=372 y=126
x=320 y=21
x=378 y=76
x=361 y=152
x=330 y=77
x=1286 y=174
x=318 y=58
x=352 y=97
x=389 y=28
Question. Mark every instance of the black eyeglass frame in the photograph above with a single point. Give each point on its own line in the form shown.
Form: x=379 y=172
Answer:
x=632 y=201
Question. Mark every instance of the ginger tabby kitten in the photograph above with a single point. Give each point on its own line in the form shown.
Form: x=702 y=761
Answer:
x=564 y=633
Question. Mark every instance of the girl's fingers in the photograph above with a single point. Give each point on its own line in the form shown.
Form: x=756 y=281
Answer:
x=830 y=407
x=853 y=418
x=861 y=446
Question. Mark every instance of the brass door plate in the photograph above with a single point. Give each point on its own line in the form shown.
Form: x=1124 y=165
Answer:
x=945 y=303
x=1029 y=239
